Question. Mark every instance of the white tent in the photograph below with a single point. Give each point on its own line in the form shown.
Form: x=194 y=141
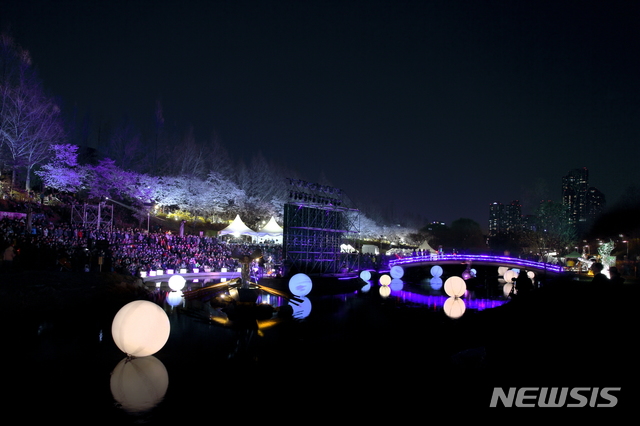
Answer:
x=238 y=228
x=271 y=228
x=426 y=247
x=271 y=231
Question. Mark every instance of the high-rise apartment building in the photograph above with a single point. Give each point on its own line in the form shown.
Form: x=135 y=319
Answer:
x=574 y=194
x=504 y=218
x=583 y=202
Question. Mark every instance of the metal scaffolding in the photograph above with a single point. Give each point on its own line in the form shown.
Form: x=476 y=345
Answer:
x=316 y=220
x=98 y=216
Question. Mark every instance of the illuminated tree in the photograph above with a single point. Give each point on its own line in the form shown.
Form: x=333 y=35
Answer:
x=62 y=172
x=30 y=121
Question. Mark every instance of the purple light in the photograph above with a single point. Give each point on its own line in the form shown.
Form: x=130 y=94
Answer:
x=478 y=258
x=438 y=301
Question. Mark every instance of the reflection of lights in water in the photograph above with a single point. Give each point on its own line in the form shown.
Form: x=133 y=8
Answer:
x=396 y=272
x=506 y=289
x=435 y=283
x=385 y=291
x=396 y=284
x=174 y=298
x=438 y=301
x=301 y=310
x=139 y=384
x=366 y=287
x=454 y=307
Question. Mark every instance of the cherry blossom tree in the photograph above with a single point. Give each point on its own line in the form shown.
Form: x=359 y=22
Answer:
x=62 y=172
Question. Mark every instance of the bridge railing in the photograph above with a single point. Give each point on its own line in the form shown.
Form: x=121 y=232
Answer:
x=477 y=258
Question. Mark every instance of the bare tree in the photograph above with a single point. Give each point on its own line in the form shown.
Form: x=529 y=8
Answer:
x=30 y=121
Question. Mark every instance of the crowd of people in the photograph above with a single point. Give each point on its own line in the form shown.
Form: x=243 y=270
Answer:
x=39 y=244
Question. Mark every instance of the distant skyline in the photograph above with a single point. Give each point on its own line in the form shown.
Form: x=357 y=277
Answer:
x=433 y=109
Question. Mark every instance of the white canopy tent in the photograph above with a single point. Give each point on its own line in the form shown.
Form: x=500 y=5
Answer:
x=271 y=231
x=238 y=228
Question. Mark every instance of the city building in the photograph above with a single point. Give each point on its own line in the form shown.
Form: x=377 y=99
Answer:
x=583 y=202
x=574 y=194
x=505 y=218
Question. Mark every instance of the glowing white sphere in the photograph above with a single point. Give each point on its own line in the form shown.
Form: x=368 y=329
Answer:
x=509 y=275
x=140 y=328
x=300 y=285
x=455 y=286
x=365 y=275
x=177 y=282
x=502 y=270
x=436 y=271
x=385 y=280
x=454 y=307
x=531 y=275
x=396 y=271
x=139 y=384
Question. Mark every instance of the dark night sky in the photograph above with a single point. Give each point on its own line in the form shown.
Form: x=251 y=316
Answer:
x=435 y=108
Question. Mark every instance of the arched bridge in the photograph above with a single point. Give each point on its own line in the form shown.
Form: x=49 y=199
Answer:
x=477 y=259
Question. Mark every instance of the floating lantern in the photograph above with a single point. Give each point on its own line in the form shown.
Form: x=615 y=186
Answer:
x=502 y=270
x=454 y=307
x=531 y=275
x=300 y=285
x=466 y=275
x=455 y=286
x=365 y=275
x=385 y=280
x=140 y=328
x=510 y=275
x=396 y=271
x=177 y=282
x=436 y=271
x=139 y=384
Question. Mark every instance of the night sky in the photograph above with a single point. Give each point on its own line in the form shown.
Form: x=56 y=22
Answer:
x=434 y=108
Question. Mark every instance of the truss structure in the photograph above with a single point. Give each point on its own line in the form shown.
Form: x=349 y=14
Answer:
x=316 y=220
x=93 y=216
